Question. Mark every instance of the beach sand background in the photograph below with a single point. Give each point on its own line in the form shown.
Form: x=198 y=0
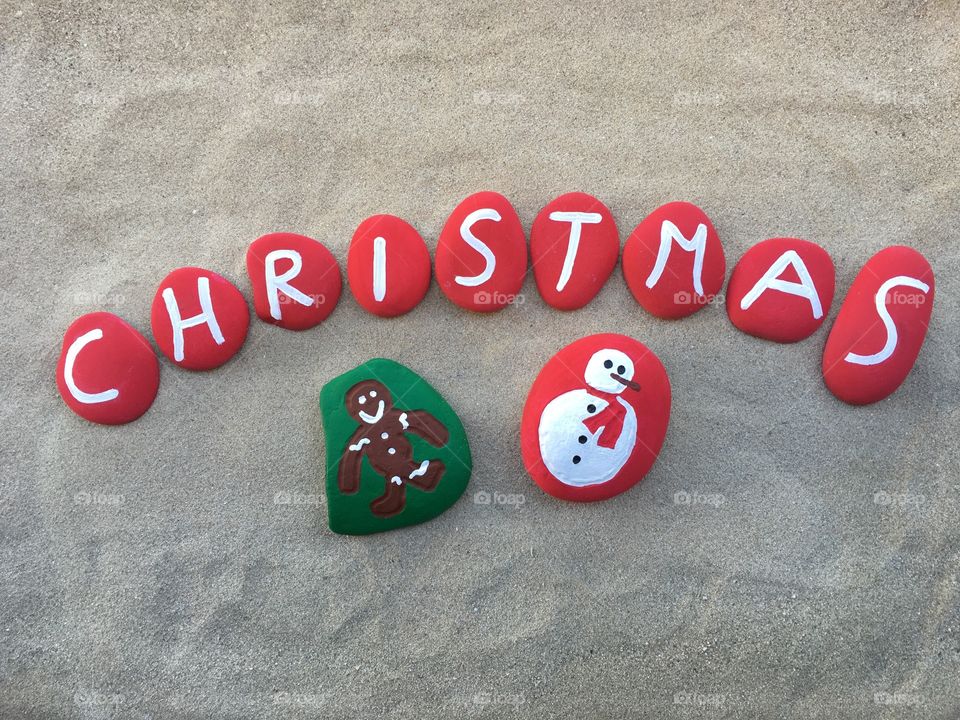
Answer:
x=148 y=571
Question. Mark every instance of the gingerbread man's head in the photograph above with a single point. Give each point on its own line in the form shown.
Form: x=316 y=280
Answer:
x=367 y=401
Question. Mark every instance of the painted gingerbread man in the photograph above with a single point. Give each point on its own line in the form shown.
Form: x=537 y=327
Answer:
x=381 y=438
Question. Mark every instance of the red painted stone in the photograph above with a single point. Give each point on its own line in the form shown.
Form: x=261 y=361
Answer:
x=880 y=328
x=388 y=266
x=781 y=289
x=296 y=280
x=595 y=418
x=662 y=273
x=481 y=261
x=574 y=245
x=108 y=372
x=208 y=336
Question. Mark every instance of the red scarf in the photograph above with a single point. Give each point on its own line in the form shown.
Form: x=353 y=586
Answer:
x=610 y=418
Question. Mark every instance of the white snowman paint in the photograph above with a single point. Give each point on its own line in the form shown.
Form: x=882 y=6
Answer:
x=570 y=450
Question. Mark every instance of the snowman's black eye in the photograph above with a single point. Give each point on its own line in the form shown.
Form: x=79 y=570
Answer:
x=621 y=369
x=591 y=408
x=582 y=439
x=608 y=364
x=576 y=459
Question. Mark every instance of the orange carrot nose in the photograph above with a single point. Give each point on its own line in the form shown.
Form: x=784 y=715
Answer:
x=623 y=381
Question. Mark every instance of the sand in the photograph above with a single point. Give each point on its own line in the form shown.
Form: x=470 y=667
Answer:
x=147 y=571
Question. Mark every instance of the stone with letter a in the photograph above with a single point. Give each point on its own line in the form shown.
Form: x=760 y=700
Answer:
x=595 y=418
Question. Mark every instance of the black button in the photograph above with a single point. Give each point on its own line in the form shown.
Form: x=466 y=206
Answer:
x=582 y=439
x=576 y=459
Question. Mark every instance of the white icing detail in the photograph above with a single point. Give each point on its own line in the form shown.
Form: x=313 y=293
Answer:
x=599 y=377
x=276 y=283
x=577 y=220
x=371 y=419
x=670 y=232
x=384 y=436
x=771 y=281
x=207 y=317
x=422 y=470
x=79 y=395
x=396 y=480
x=362 y=399
x=478 y=245
x=379 y=269
x=359 y=444
x=403 y=421
x=561 y=426
x=391 y=451
x=373 y=393
x=881 y=303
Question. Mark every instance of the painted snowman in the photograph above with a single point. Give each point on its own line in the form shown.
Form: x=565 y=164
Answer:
x=587 y=435
x=595 y=418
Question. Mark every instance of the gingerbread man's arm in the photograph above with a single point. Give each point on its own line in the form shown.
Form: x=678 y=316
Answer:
x=422 y=423
x=348 y=473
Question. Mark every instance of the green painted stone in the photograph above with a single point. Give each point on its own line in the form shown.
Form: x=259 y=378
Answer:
x=391 y=465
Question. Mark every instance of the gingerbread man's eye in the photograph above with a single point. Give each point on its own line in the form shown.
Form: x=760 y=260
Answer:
x=362 y=399
x=373 y=393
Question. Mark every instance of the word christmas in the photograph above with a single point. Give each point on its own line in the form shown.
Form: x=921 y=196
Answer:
x=596 y=415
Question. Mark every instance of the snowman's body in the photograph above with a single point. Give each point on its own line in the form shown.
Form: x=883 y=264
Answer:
x=570 y=451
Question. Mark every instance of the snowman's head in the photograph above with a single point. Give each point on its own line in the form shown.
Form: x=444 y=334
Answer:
x=610 y=371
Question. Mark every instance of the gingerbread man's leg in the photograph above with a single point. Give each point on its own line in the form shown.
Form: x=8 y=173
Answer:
x=426 y=475
x=393 y=499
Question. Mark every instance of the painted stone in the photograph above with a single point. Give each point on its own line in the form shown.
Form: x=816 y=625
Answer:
x=388 y=266
x=875 y=340
x=296 y=280
x=108 y=373
x=397 y=453
x=781 y=289
x=199 y=318
x=482 y=253
x=673 y=261
x=595 y=418
x=574 y=247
